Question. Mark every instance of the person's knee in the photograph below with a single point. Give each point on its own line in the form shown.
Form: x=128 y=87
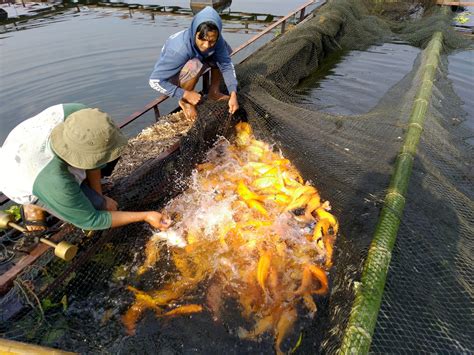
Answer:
x=190 y=73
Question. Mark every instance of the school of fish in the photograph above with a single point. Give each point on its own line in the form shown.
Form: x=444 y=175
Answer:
x=248 y=228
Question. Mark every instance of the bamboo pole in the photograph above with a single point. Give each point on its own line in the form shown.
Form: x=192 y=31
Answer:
x=368 y=293
x=10 y=347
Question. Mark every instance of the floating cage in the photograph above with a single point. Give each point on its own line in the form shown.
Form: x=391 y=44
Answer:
x=218 y=5
x=412 y=293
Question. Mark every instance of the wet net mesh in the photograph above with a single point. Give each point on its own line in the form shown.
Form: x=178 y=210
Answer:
x=427 y=299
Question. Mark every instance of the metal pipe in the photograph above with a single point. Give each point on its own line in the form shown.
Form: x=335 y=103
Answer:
x=272 y=26
x=62 y=250
x=156 y=109
x=302 y=14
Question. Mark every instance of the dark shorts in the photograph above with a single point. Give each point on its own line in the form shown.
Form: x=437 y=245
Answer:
x=97 y=200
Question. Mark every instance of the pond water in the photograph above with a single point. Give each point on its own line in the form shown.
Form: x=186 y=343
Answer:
x=352 y=83
x=100 y=57
x=279 y=8
x=461 y=72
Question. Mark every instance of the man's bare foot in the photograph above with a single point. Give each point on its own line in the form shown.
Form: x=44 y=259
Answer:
x=217 y=96
x=189 y=110
x=34 y=218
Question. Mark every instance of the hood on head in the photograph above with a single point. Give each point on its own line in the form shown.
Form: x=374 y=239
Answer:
x=205 y=15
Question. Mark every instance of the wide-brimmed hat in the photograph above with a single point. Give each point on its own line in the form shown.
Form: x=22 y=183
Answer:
x=87 y=139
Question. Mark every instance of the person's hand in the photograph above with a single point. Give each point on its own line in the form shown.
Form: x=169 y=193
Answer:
x=192 y=97
x=110 y=204
x=233 y=103
x=158 y=220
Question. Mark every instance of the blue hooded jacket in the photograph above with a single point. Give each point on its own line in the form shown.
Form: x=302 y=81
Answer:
x=180 y=47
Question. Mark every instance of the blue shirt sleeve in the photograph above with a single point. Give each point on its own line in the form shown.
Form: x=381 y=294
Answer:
x=224 y=62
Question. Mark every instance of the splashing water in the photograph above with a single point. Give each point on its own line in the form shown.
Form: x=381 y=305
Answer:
x=249 y=228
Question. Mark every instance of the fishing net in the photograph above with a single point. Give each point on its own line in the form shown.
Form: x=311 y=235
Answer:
x=349 y=158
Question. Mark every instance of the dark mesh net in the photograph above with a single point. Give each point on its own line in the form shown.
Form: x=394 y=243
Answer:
x=428 y=295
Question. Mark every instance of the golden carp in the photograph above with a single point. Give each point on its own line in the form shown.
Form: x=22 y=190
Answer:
x=257 y=168
x=263 y=268
x=328 y=241
x=312 y=272
x=242 y=234
x=322 y=214
x=246 y=194
x=321 y=228
x=263 y=325
x=309 y=303
x=255 y=152
x=313 y=204
x=130 y=318
x=285 y=323
x=257 y=206
x=152 y=253
x=265 y=182
x=186 y=309
x=321 y=276
x=242 y=139
x=299 y=202
x=278 y=198
x=243 y=127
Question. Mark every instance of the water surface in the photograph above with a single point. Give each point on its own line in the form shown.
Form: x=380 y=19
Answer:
x=273 y=7
x=351 y=83
x=100 y=57
x=461 y=73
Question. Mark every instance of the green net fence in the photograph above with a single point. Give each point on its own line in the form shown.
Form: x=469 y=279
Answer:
x=427 y=300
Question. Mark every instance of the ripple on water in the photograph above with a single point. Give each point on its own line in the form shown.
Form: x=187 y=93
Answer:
x=352 y=83
x=95 y=57
x=461 y=73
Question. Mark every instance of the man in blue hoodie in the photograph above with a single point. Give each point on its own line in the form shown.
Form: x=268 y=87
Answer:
x=186 y=55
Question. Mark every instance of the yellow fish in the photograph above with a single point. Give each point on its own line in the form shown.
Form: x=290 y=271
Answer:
x=243 y=127
x=321 y=229
x=186 y=309
x=257 y=206
x=265 y=182
x=263 y=268
x=285 y=323
x=322 y=214
x=245 y=193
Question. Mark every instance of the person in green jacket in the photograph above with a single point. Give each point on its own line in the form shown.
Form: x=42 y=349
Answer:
x=52 y=163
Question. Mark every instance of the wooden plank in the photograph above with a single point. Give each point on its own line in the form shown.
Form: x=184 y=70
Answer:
x=6 y=279
x=147 y=108
x=15 y=347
